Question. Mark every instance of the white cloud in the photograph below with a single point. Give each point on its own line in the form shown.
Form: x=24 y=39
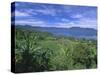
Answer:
x=46 y=11
x=64 y=20
x=20 y=14
x=87 y=23
x=77 y=16
x=83 y=23
x=31 y=11
x=30 y=22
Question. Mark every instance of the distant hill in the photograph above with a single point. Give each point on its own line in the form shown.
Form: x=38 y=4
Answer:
x=76 y=32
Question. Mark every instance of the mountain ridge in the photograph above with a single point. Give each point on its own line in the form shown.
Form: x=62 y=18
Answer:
x=76 y=32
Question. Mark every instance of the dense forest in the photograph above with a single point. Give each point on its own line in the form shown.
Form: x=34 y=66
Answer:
x=37 y=51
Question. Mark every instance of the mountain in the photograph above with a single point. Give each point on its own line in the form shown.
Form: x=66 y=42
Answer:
x=76 y=32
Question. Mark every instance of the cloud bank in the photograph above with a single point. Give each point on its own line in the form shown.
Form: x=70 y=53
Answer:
x=53 y=15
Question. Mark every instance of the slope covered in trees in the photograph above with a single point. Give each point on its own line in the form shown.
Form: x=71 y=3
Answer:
x=37 y=51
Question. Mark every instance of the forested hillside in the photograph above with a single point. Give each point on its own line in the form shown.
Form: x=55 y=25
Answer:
x=37 y=51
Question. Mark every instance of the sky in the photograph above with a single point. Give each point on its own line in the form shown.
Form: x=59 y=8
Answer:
x=54 y=15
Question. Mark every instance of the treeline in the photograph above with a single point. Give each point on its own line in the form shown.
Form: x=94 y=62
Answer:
x=40 y=51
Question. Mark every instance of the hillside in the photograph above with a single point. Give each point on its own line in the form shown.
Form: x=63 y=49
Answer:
x=41 y=51
x=76 y=32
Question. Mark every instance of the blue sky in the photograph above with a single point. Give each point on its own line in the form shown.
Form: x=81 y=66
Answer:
x=54 y=15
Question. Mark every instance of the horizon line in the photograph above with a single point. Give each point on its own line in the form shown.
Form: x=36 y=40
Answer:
x=55 y=26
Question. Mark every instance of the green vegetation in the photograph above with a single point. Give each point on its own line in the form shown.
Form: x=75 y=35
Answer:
x=40 y=51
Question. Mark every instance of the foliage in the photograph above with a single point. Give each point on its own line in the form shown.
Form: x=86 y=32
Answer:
x=40 y=51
